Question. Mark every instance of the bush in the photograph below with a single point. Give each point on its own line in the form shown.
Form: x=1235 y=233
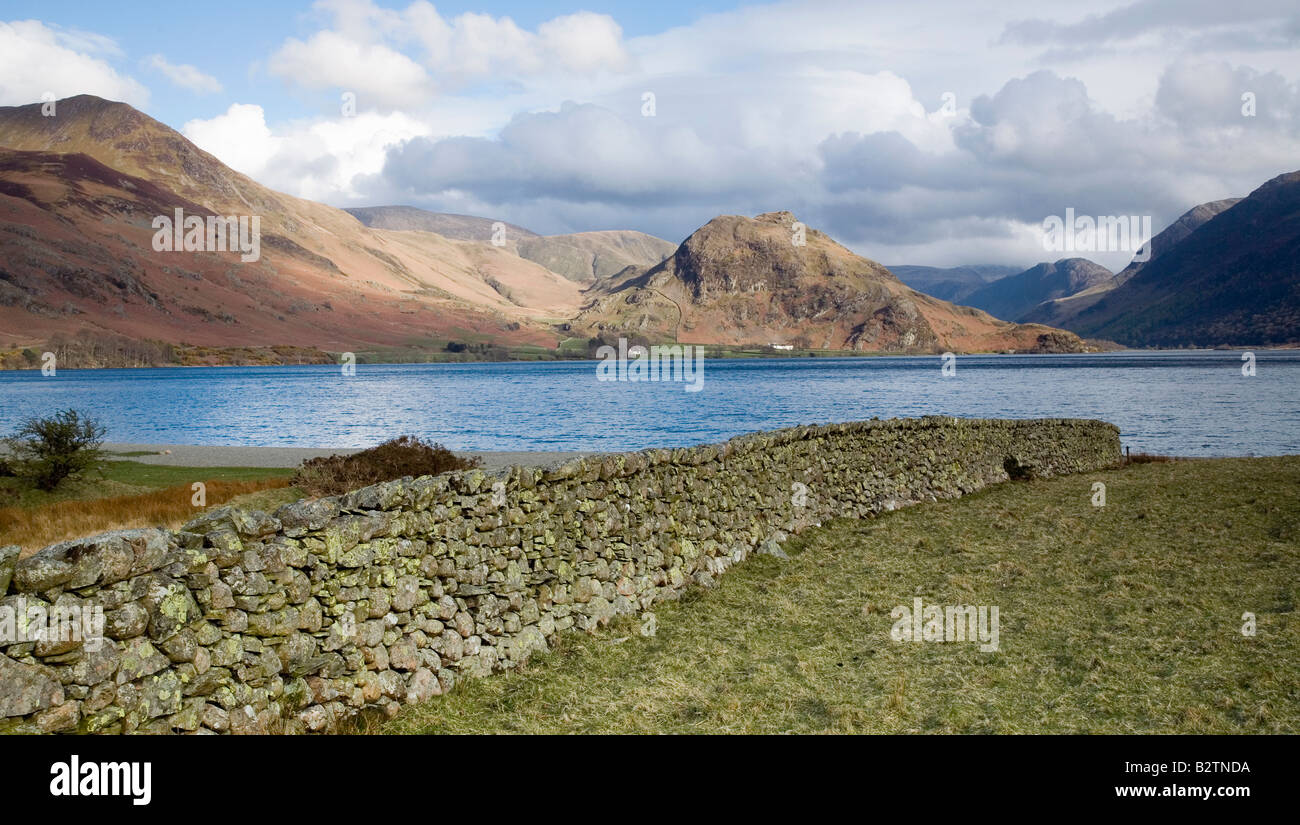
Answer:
x=396 y=458
x=45 y=451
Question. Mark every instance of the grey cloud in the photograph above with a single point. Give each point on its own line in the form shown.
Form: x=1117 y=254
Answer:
x=1209 y=93
x=1036 y=147
x=1031 y=150
x=580 y=153
x=1146 y=16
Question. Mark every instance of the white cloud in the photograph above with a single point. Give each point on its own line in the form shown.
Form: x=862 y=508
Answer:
x=184 y=75
x=582 y=42
x=36 y=59
x=377 y=74
x=240 y=138
x=319 y=159
x=364 y=51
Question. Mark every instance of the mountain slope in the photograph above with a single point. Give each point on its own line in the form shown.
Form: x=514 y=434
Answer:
x=1235 y=280
x=590 y=256
x=950 y=284
x=1062 y=311
x=740 y=280
x=582 y=257
x=78 y=193
x=446 y=224
x=1013 y=296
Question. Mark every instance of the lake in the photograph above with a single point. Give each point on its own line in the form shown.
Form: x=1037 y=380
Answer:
x=1192 y=403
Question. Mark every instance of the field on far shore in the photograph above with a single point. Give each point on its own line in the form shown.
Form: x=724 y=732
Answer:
x=1126 y=618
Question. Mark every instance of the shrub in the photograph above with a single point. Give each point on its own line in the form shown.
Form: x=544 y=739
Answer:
x=45 y=451
x=396 y=458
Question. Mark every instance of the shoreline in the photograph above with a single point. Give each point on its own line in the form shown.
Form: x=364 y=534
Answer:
x=191 y=455
x=722 y=355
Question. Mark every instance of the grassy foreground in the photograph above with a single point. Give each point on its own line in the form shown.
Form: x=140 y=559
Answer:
x=1120 y=619
x=125 y=494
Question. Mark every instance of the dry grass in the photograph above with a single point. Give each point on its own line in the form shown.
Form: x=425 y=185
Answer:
x=41 y=525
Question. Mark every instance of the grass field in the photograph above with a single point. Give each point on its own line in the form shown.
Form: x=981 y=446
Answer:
x=1118 y=619
x=130 y=494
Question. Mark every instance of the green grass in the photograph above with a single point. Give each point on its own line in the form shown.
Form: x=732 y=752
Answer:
x=123 y=478
x=573 y=346
x=1122 y=619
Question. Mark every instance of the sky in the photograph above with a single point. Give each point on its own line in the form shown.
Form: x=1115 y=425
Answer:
x=930 y=132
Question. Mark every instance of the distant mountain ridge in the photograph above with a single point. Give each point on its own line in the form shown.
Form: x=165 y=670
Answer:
x=952 y=283
x=591 y=256
x=581 y=257
x=446 y=224
x=1063 y=310
x=1012 y=297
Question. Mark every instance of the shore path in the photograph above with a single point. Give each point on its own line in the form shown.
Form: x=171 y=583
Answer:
x=188 y=455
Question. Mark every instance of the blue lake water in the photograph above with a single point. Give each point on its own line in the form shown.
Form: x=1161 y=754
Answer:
x=1182 y=403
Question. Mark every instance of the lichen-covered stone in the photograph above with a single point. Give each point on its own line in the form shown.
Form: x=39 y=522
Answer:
x=41 y=572
x=245 y=622
x=26 y=689
x=8 y=560
x=139 y=658
x=301 y=517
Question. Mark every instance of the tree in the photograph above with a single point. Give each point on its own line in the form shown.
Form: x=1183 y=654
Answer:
x=45 y=451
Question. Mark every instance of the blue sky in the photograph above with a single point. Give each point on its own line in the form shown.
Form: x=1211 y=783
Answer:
x=940 y=132
x=233 y=37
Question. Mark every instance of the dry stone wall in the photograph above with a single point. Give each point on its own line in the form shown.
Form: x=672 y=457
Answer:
x=249 y=622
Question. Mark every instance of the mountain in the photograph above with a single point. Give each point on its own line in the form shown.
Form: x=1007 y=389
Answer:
x=739 y=280
x=1232 y=280
x=590 y=256
x=582 y=257
x=446 y=224
x=1061 y=312
x=1015 y=295
x=78 y=196
x=953 y=283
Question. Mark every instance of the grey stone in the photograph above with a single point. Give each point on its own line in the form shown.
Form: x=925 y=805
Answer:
x=8 y=560
x=303 y=516
x=26 y=689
